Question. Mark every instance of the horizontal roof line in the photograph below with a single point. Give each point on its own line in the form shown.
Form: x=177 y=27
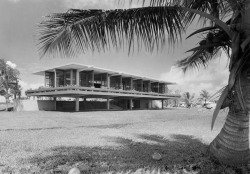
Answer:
x=82 y=67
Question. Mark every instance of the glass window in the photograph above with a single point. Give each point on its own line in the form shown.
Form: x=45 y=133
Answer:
x=86 y=78
x=67 y=77
x=49 y=79
x=74 y=77
x=59 y=78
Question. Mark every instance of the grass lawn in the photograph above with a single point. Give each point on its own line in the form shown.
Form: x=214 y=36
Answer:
x=109 y=142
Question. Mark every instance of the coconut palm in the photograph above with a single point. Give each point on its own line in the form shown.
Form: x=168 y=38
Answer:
x=204 y=96
x=188 y=99
x=157 y=22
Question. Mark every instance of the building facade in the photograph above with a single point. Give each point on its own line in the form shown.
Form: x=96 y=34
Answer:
x=81 y=82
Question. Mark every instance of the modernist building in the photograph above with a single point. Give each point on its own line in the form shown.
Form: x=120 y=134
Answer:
x=82 y=82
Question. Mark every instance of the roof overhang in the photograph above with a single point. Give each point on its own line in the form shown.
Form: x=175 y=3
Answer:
x=81 y=67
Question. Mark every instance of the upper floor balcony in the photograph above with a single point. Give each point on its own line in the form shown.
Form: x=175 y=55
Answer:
x=76 y=77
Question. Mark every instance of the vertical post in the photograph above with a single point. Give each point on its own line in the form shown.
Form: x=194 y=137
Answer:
x=131 y=84
x=158 y=86
x=149 y=86
x=55 y=103
x=45 y=79
x=141 y=85
x=55 y=85
x=77 y=104
x=107 y=80
x=108 y=104
x=121 y=82
x=92 y=78
x=77 y=78
x=162 y=104
x=130 y=104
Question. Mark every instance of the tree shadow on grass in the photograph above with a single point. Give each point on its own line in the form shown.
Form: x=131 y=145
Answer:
x=179 y=153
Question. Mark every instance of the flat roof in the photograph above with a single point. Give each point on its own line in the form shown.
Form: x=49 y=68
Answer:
x=82 y=67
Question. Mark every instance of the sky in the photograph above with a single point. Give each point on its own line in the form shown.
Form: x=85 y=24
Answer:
x=19 y=45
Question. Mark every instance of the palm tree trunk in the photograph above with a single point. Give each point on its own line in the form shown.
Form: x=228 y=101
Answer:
x=231 y=146
x=7 y=104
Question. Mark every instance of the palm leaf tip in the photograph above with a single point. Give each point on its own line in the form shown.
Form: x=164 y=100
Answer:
x=208 y=48
x=218 y=105
x=79 y=30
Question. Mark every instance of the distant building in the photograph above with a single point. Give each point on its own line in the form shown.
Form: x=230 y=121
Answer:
x=81 y=82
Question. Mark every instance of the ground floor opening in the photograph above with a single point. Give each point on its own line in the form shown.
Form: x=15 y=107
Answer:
x=88 y=104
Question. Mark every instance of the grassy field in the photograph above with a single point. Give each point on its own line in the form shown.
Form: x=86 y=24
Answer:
x=109 y=142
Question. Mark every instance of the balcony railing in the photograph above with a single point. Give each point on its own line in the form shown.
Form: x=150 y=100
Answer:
x=76 y=89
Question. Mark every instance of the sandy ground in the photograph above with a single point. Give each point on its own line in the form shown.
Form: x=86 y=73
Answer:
x=34 y=132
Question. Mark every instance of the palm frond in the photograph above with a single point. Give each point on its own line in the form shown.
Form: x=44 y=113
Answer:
x=80 y=30
x=219 y=104
x=221 y=9
x=197 y=59
x=204 y=94
x=202 y=30
x=217 y=94
x=217 y=8
x=205 y=47
x=200 y=57
x=187 y=97
x=235 y=4
x=213 y=41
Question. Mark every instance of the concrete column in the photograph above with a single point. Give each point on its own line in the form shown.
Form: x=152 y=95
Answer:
x=130 y=104
x=77 y=78
x=45 y=79
x=158 y=86
x=131 y=84
x=107 y=80
x=120 y=82
x=77 y=104
x=141 y=85
x=92 y=78
x=149 y=87
x=162 y=104
x=55 y=78
x=54 y=103
x=108 y=104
